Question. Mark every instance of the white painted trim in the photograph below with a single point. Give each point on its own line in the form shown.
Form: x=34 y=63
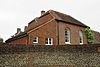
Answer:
x=68 y=36
x=81 y=35
x=67 y=43
x=51 y=41
x=81 y=43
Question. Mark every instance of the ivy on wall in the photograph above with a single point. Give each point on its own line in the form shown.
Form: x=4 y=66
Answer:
x=88 y=32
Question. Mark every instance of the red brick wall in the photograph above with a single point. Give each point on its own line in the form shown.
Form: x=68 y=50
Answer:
x=74 y=33
x=48 y=30
x=51 y=30
x=40 y=21
x=21 y=41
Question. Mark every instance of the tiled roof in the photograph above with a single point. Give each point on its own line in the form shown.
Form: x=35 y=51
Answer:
x=96 y=37
x=21 y=34
x=66 y=18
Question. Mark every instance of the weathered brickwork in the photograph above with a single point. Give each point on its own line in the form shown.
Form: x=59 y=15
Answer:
x=74 y=33
x=39 y=21
x=48 y=30
x=22 y=41
x=49 y=56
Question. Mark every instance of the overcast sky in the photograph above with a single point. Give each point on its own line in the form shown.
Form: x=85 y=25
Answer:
x=18 y=13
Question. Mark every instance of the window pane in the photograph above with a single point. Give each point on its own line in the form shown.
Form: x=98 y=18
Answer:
x=66 y=40
x=49 y=40
x=67 y=36
x=46 y=41
x=35 y=39
x=81 y=37
x=80 y=40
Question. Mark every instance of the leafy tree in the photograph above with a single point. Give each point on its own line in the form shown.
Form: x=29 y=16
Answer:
x=89 y=34
x=1 y=40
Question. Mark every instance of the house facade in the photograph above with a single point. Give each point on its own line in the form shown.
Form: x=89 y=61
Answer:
x=51 y=28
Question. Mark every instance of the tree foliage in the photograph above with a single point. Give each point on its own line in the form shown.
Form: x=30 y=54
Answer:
x=1 y=40
x=89 y=34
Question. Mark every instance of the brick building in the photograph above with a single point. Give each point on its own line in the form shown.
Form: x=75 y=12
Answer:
x=96 y=37
x=51 y=28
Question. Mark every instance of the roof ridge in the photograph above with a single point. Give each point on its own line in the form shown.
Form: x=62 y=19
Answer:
x=57 y=11
x=53 y=13
x=67 y=18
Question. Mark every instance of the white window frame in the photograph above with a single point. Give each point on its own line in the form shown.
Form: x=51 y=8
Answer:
x=49 y=41
x=81 y=36
x=68 y=36
x=36 y=40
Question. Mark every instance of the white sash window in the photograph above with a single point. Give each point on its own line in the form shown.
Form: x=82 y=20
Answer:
x=67 y=36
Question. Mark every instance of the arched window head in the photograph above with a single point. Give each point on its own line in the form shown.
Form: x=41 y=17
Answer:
x=67 y=36
x=81 y=37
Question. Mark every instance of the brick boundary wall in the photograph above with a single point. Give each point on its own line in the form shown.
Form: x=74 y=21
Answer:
x=49 y=56
x=11 y=48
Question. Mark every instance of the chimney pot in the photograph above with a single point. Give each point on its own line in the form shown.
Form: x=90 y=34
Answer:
x=25 y=28
x=42 y=12
x=18 y=30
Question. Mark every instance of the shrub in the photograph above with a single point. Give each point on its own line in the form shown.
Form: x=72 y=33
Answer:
x=89 y=34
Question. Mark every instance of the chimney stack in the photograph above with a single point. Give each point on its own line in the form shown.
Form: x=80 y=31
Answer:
x=42 y=12
x=18 y=30
x=25 y=28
